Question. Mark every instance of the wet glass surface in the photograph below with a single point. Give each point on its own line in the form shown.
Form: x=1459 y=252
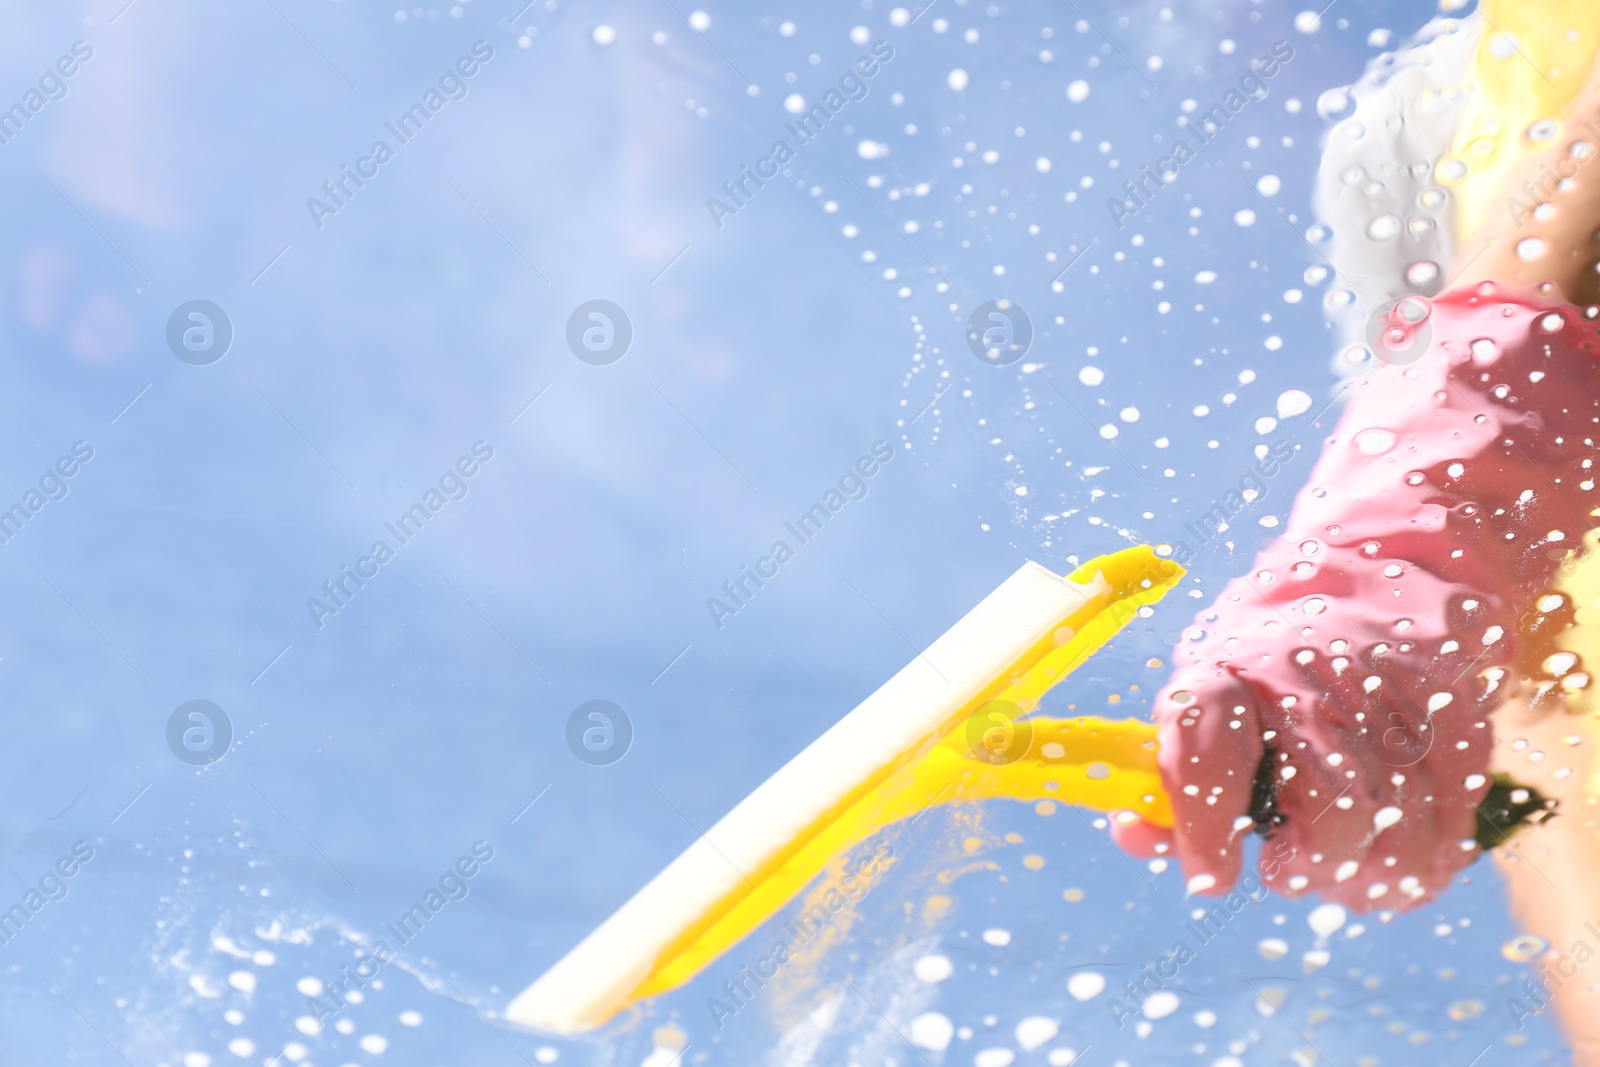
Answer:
x=397 y=459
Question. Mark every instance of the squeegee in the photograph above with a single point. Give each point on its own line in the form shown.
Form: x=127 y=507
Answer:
x=950 y=727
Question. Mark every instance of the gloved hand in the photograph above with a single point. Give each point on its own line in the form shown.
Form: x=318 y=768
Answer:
x=1336 y=697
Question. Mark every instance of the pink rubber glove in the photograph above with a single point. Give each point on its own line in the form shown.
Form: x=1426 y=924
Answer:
x=1338 y=695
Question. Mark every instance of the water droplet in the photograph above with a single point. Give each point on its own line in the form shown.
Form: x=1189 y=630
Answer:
x=1086 y=985
x=1325 y=920
x=1530 y=248
x=1356 y=355
x=1542 y=132
x=1333 y=103
x=1293 y=402
x=1560 y=663
x=1383 y=227
x=1160 y=1004
x=1034 y=1031
x=1374 y=442
x=1422 y=274
x=1524 y=947
x=1502 y=46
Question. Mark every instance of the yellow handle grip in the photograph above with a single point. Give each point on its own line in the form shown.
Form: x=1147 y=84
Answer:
x=1098 y=763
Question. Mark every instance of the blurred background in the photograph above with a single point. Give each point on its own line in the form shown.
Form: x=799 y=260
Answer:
x=362 y=342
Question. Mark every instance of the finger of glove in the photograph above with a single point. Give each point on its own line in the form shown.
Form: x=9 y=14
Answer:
x=1210 y=746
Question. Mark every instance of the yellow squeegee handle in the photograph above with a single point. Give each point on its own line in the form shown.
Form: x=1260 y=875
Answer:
x=1102 y=764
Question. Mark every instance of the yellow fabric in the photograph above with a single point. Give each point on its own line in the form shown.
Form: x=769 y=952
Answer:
x=1108 y=765
x=1533 y=60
